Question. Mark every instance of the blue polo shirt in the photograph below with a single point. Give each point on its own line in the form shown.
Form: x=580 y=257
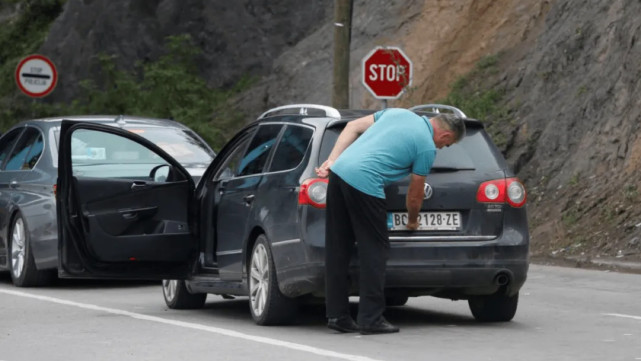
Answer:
x=397 y=144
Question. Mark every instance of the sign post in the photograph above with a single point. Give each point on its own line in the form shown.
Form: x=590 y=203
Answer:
x=36 y=76
x=387 y=72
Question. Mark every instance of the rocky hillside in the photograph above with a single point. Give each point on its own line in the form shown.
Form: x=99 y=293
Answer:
x=566 y=73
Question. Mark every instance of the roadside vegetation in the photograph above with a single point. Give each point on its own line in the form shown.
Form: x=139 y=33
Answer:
x=479 y=100
x=21 y=35
x=168 y=87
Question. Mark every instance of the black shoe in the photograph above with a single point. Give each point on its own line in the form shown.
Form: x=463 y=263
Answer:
x=380 y=326
x=343 y=324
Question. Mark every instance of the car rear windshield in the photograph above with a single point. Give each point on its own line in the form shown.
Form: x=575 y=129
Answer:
x=474 y=152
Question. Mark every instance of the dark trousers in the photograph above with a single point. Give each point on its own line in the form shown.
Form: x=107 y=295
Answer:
x=355 y=216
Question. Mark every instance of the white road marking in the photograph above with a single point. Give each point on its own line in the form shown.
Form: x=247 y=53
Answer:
x=195 y=326
x=623 y=316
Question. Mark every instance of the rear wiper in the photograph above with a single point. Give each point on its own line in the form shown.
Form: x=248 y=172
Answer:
x=448 y=169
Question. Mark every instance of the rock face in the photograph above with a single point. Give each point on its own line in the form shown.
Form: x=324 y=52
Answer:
x=577 y=101
x=236 y=37
x=570 y=70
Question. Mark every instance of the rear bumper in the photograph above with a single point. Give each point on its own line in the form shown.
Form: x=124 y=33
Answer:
x=443 y=270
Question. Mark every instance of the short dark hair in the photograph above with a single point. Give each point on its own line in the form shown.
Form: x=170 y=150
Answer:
x=453 y=123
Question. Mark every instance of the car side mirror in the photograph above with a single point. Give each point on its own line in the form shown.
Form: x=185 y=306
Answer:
x=160 y=173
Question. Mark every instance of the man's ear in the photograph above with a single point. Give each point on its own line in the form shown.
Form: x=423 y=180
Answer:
x=445 y=136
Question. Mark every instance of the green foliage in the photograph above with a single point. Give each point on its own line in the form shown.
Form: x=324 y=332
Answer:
x=20 y=36
x=170 y=87
x=167 y=88
x=570 y=216
x=477 y=100
x=630 y=192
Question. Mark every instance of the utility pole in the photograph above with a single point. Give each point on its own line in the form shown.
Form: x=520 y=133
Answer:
x=342 y=40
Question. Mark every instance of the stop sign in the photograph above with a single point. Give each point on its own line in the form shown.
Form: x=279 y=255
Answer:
x=387 y=71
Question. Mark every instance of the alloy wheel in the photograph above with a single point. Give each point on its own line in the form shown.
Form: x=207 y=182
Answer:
x=169 y=288
x=259 y=279
x=18 y=248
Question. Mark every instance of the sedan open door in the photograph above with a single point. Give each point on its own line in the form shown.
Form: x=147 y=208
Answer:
x=124 y=206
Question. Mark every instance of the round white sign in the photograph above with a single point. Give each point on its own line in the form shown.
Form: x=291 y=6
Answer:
x=36 y=76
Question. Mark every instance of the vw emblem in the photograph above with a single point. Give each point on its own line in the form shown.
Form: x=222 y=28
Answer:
x=427 y=189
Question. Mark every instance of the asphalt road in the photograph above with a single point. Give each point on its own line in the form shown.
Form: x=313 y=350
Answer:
x=564 y=314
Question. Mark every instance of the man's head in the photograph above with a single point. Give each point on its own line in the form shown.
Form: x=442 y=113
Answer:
x=448 y=129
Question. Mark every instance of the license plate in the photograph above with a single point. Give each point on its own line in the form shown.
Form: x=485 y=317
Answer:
x=429 y=221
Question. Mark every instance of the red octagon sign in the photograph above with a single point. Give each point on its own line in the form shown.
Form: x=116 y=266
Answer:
x=387 y=71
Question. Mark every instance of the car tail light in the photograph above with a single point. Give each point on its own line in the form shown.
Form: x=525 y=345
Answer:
x=55 y=190
x=313 y=192
x=509 y=190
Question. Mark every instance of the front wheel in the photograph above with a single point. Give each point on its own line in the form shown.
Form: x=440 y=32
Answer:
x=178 y=297
x=267 y=304
x=23 y=266
x=494 y=308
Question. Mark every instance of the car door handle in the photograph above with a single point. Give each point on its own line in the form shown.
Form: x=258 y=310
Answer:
x=249 y=198
x=138 y=185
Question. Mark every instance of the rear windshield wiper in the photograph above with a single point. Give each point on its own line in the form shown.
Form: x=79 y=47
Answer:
x=440 y=169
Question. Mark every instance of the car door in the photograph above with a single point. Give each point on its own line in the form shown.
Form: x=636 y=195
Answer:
x=117 y=218
x=235 y=205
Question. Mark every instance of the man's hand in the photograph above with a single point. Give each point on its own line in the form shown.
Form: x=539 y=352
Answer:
x=348 y=135
x=323 y=170
x=412 y=226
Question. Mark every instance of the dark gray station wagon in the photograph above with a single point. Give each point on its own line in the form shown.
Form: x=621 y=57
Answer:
x=254 y=224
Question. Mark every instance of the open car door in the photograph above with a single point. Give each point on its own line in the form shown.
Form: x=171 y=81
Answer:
x=124 y=206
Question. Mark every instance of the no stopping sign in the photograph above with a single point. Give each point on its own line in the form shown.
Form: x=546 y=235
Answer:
x=36 y=76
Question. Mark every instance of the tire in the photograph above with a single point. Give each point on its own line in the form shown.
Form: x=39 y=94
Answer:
x=494 y=308
x=178 y=297
x=22 y=265
x=392 y=301
x=268 y=306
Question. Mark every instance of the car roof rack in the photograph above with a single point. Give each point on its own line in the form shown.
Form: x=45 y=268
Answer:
x=436 y=108
x=303 y=109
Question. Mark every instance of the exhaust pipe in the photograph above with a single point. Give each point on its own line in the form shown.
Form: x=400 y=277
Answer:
x=502 y=279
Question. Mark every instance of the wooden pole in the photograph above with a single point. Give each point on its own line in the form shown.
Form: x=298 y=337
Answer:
x=342 y=40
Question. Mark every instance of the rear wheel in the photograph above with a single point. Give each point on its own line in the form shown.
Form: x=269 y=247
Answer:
x=267 y=304
x=177 y=296
x=23 y=266
x=494 y=308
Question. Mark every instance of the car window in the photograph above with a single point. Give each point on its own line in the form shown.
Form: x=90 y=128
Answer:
x=229 y=169
x=34 y=153
x=18 y=158
x=7 y=142
x=105 y=155
x=474 y=151
x=183 y=145
x=291 y=148
x=258 y=151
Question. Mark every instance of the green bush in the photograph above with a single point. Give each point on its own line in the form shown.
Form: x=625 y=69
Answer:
x=20 y=36
x=169 y=87
x=478 y=100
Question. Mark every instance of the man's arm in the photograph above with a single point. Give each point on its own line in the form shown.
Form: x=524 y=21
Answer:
x=414 y=199
x=351 y=132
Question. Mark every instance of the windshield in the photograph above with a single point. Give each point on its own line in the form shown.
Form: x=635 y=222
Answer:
x=182 y=145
